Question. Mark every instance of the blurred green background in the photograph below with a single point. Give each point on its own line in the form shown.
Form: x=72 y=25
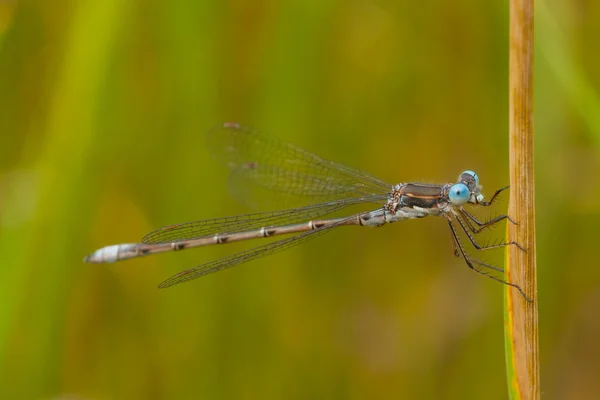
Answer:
x=104 y=107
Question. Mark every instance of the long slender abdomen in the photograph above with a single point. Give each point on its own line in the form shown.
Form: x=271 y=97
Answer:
x=125 y=251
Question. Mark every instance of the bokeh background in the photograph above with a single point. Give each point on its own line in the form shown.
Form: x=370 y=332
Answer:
x=104 y=107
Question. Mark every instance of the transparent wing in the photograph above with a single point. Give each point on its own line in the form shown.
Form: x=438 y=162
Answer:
x=197 y=229
x=267 y=172
x=244 y=256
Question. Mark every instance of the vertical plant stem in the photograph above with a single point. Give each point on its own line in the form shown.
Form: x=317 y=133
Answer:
x=521 y=316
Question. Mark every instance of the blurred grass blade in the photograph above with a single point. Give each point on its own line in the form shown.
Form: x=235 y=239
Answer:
x=573 y=78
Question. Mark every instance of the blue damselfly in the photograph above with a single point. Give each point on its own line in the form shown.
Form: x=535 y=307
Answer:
x=286 y=173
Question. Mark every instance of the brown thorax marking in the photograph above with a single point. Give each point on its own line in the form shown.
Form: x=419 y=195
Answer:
x=417 y=196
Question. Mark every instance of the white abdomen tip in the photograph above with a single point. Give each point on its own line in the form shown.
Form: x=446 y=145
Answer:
x=106 y=254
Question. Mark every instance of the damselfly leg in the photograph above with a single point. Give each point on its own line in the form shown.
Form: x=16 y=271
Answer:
x=459 y=250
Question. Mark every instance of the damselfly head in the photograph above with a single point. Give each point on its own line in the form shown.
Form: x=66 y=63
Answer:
x=471 y=180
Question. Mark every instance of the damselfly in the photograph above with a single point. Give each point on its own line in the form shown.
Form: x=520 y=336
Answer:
x=284 y=172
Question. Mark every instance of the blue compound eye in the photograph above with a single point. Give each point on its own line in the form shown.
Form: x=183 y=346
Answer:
x=473 y=174
x=459 y=194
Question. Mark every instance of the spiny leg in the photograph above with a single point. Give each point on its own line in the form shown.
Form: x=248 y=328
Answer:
x=477 y=245
x=489 y=203
x=470 y=262
x=482 y=225
x=469 y=224
x=454 y=248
